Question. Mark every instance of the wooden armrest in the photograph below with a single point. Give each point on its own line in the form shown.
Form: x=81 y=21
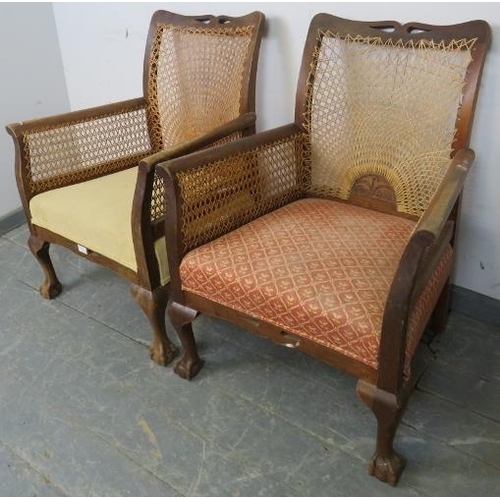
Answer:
x=441 y=205
x=149 y=205
x=430 y=258
x=17 y=130
x=212 y=192
x=74 y=147
x=239 y=124
x=225 y=151
x=424 y=249
x=434 y=230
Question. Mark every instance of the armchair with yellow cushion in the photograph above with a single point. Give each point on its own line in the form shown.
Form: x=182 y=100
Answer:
x=337 y=239
x=87 y=179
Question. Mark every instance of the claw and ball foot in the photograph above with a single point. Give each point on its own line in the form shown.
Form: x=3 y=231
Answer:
x=187 y=367
x=386 y=464
x=51 y=286
x=50 y=290
x=387 y=469
x=162 y=353
x=154 y=304
x=190 y=363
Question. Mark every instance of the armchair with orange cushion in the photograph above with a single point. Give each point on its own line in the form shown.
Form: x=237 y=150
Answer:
x=334 y=234
x=87 y=179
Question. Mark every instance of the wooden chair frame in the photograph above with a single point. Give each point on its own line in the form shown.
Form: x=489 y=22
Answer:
x=384 y=390
x=146 y=287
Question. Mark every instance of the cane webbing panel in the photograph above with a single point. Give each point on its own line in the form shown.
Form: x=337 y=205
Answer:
x=217 y=197
x=195 y=81
x=157 y=198
x=64 y=154
x=225 y=140
x=386 y=108
x=158 y=195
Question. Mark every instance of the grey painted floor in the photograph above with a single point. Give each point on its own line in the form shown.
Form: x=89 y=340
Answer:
x=83 y=411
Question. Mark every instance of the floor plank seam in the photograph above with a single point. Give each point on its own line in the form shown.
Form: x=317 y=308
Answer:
x=140 y=342
x=173 y=421
x=14 y=242
x=127 y=456
x=176 y=489
x=448 y=400
x=449 y=445
x=58 y=489
x=467 y=371
x=327 y=445
x=92 y=318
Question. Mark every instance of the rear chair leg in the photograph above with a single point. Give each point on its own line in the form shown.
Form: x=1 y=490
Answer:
x=190 y=363
x=385 y=464
x=154 y=304
x=51 y=287
x=441 y=312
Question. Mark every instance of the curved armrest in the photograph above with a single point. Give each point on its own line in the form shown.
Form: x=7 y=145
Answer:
x=73 y=117
x=442 y=203
x=149 y=199
x=73 y=147
x=425 y=247
x=148 y=209
x=239 y=124
x=225 y=151
x=212 y=192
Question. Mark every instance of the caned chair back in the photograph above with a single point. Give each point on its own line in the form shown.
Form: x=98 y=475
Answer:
x=198 y=73
x=386 y=105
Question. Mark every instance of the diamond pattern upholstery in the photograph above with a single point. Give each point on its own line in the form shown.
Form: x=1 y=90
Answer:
x=317 y=268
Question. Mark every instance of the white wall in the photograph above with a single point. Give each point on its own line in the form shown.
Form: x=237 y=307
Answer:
x=102 y=48
x=32 y=80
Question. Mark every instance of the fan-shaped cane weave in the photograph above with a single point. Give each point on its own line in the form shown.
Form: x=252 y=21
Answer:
x=195 y=85
x=383 y=107
x=65 y=154
x=195 y=80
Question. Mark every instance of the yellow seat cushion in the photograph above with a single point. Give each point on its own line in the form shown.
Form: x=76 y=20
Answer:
x=97 y=215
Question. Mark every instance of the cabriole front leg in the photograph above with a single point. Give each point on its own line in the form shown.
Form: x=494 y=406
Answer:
x=154 y=304
x=386 y=464
x=51 y=287
x=190 y=363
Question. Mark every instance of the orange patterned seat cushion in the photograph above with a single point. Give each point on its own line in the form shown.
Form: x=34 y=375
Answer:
x=316 y=268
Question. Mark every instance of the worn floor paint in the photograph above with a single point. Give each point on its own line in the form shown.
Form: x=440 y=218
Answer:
x=83 y=411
